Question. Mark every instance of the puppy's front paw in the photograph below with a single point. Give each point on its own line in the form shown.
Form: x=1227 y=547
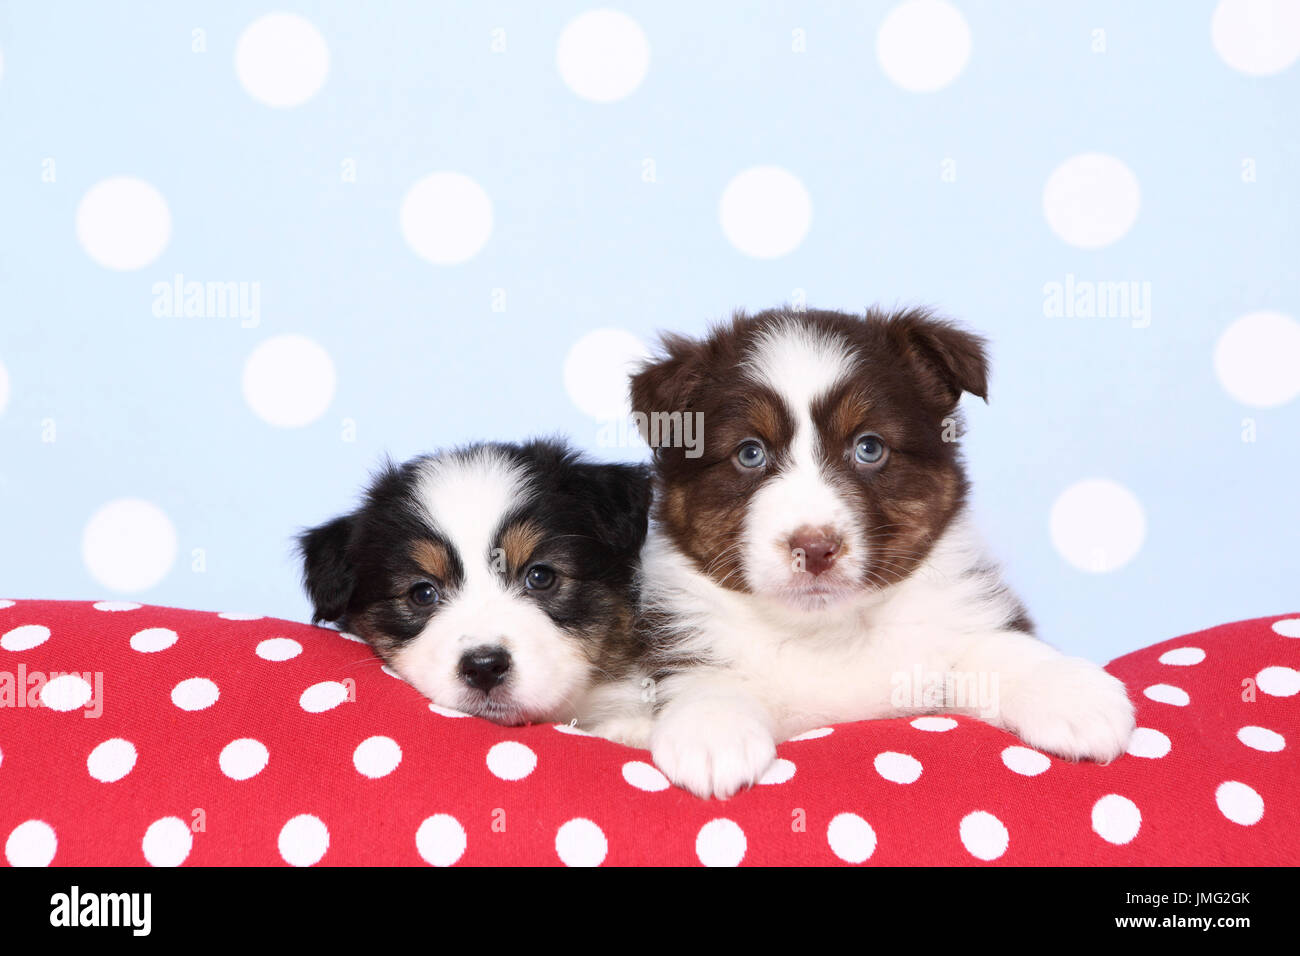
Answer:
x=712 y=749
x=628 y=731
x=1072 y=708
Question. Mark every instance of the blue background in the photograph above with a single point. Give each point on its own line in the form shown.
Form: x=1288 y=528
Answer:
x=152 y=408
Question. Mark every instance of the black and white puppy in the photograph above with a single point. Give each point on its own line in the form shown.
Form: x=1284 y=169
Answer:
x=816 y=564
x=497 y=580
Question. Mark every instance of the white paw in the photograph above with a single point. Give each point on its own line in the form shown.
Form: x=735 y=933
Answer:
x=1072 y=708
x=628 y=731
x=712 y=748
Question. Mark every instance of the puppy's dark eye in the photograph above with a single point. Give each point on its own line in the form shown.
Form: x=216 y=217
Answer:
x=751 y=454
x=869 y=450
x=424 y=594
x=539 y=578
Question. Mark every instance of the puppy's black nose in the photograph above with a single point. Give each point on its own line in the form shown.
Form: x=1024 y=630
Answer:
x=484 y=667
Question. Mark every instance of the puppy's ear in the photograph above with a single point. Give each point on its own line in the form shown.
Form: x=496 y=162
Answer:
x=620 y=497
x=667 y=383
x=949 y=359
x=328 y=576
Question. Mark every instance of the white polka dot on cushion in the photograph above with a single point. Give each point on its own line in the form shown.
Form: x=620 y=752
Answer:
x=813 y=734
x=923 y=45
x=447 y=711
x=278 y=649
x=196 y=693
x=243 y=759
x=1261 y=738
x=114 y=606
x=900 y=768
x=1257 y=37
x=377 y=756
x=446 y=218
x=304 y=840
x=1287 y=628
x=167 y=842
x=239 y=616
x=129 y=545
x=1025 y=761
x=644 y=777
x=581 y=843
x=781 y=771
x=602 y=55
x=851 y=838
x=153 y=639
x=25 y=637
x=66 y=692
x=1239 y=803
x=1278 y=681
x=289 y=381
x=720 y=842
x=983 y=835
x=323 y=696
x=511 y=760
x=350 y=637
x=1167 y=694
x=123 y=223
x=934 y=724
x=1116 y=819
x=572 y=730
x=281 y=60
x=112 y=760
x=440 y=840
x=1148 y=743
x=1183 y=656
x=32 y=843
x=765 y=212
x=5 y=603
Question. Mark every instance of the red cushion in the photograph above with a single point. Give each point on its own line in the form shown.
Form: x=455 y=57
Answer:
x=384 y=779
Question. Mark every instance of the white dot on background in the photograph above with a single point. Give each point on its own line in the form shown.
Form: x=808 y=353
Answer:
x=923 y=45
x=66 y=692
x=581 y=843
x=112 y=760
x=851 y=837
x=323 y=696
x=596 y=371
x=1278 y=681
x=1239 y=803
x=1148 y=743
x=128 y=545
x=1116 y=819
x=440 y=840
x=1097 y=525
x=644 y=777
x=1257 y=359
x=720 y=842
x=1257 y=37
x=900 y=768
x=114 y=606
x=281 y=60
x=4 y=387
x=123 y=223
x=377 y=757
x=511 y=760
x=446 y=218
x=32 y=843
x=153 y=639
x=243 y=759
x=1183 y=656
x=1167 y=694
x=1091 y=200
x=765 y=212
x=304 y=840
x=602 y=55
x=1287 y=628
x=25 y=637
x=278 y=649
x=1023 y=760
x=813 y=734
x=983 y=835
x=196 y=693
x=934 y=724
x=1261 y=738
x=167 y=842
x=289 y=381
x=781 y=771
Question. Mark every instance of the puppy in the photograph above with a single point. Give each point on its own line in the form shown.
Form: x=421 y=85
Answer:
x=498 y=581
x=815 y=563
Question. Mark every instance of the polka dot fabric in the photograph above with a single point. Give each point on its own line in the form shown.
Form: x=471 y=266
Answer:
x=219 y=748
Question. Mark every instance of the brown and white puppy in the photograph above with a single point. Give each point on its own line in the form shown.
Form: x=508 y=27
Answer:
x=816 y=564
x=499 y=581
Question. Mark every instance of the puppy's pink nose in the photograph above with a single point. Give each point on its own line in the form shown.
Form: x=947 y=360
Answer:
x=814 y=550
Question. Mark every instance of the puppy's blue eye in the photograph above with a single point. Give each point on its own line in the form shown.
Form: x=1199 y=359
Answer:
x=869 y=449
x=424 y=594
x=751 y=455
x=539 y=578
